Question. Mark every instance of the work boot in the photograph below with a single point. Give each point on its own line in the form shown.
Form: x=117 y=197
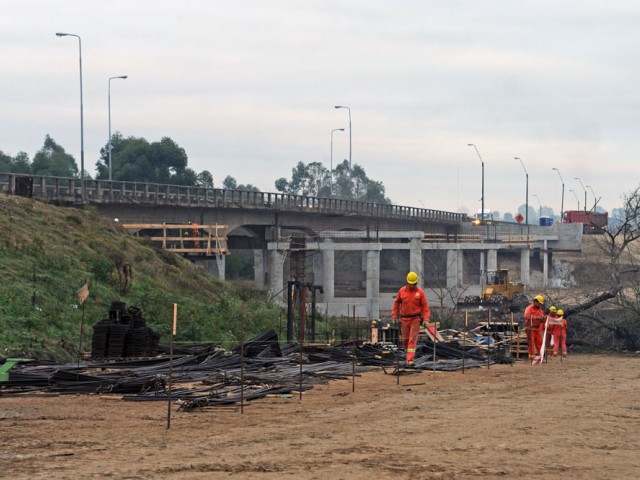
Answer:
x=564 y=354
x=554 y=354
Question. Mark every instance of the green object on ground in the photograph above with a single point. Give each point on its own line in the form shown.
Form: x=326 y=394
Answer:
x=8 y=364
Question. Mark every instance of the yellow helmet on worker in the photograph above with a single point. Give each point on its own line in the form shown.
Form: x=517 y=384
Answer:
x=412 y=278
x=539 y=299
x=560 y=312
x=553 y=309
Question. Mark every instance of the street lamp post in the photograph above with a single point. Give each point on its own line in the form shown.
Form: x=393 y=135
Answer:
x=109 y=97
x=562 y=201
x=539 y=206
x=349 y=109
x=526 y=203
x=331 y=160
x=585 y=193
x=595 y=199
x=574 y=194
x=482 y=197
x=82 y=182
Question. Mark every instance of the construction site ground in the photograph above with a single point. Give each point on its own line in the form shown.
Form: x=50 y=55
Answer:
x=576 y=419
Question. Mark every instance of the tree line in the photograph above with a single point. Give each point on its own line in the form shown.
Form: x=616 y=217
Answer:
x=134 y=159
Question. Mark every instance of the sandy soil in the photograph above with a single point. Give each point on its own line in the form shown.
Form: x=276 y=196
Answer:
x=577 y=419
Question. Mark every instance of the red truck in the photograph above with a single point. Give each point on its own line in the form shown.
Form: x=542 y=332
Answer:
x=592 y=222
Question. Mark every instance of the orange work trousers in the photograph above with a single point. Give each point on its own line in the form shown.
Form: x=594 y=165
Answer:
x=410 y=330
x=535 y=342
x=559 y=340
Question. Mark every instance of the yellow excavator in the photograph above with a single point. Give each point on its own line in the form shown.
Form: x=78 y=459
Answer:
x=498 y=293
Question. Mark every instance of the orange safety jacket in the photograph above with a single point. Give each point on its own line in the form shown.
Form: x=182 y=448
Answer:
x=411 y=303
x=555 y=323
x=533 y=317
x=552 y=323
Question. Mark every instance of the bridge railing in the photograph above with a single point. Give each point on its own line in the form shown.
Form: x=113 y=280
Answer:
x=66 y=189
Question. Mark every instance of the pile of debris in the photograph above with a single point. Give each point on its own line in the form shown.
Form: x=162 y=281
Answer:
x=124 y=334
x=202 y=375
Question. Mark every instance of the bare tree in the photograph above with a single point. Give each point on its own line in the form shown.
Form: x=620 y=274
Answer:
x=621 y=313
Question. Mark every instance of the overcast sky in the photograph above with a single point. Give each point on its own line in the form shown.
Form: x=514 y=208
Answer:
x=248 y=89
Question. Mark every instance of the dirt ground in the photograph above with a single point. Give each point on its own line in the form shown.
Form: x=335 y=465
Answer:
x=576 y=419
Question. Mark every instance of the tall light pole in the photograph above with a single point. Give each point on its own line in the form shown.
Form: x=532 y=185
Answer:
x=349 y=109
x=82 y=183
x=482 y=162
x=539 y=207
x=574 y=194
x=562 y=201
x=331 y=167
x=595 y=199
x=526 y=202
x=585 y=193
x=111 y=78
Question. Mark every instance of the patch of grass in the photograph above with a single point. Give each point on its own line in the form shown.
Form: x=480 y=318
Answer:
x=44 y=264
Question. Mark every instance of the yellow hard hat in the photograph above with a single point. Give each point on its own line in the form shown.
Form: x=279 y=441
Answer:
x=553 y=309
x=540 y=299
x=412 y=278
x=560 y=312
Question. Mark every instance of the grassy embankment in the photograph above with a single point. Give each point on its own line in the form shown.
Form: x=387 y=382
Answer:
x=46 y=254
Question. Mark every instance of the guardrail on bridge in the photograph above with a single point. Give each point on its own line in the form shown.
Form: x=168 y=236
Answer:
x=64 y=189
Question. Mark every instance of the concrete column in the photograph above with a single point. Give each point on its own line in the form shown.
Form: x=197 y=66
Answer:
x=259 y=267
x=545 y=264
x=452 y=268
x=318 y=272
x=328 y=275
x=373 y=284
x=416 y=259
x=276 y=274
x=492 y=259
x=524 y=267
x=221 y=263
x=460 y=268
x=482 y=269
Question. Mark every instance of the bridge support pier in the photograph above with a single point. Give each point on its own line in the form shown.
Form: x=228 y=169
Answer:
x=545 y=264
x=373 y=283
x=524 y=267
x=453 y=279
x=276 y=273
x=416 y=259
x=492 y=259
x=259 y=272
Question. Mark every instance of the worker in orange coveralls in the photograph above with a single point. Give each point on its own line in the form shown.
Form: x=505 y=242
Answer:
x=533 y=320
x=553 y=314
x=195 y=234
x=412 y=308
x=560 y=334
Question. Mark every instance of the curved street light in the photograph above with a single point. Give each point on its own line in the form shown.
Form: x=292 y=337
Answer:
x=482 y=162
x=349 y=109
x=562 y=201
x=539 y=205
x=109 y=147
x=526 y=204
x=331 y=159
x=574 y=194
x=82 y=182
x=595 y=199
x=585 y=193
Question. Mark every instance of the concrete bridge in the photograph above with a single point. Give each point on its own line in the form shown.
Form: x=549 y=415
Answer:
x=358 y=252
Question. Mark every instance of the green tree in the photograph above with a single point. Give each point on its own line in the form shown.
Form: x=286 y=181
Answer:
x=315 y=180
x=135 y=159
x=230 y=183
x=204 y=179
x=52 y=160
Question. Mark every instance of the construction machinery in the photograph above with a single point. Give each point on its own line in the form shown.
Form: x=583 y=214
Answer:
x=498 y=293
